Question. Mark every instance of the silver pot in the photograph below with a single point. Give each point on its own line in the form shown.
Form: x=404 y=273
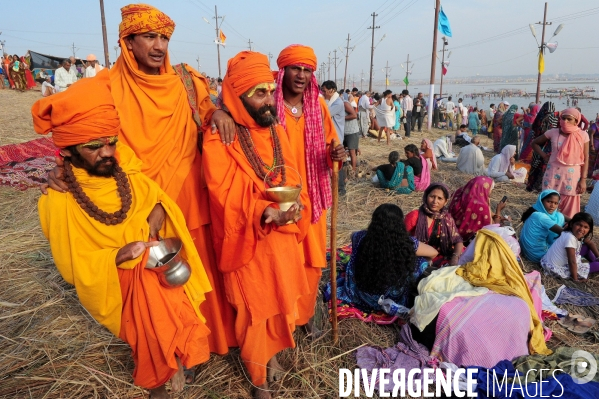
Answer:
x=165 y=259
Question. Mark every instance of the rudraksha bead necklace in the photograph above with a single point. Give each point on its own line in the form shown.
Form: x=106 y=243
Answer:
x=262 y=170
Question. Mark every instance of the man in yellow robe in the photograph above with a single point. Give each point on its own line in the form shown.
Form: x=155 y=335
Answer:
x=99 y=231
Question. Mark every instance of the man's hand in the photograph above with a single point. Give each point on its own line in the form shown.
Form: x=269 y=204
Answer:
x=225 y=125
x=280 y=218
x=499 y=208
x=56 y=178
x=338 y=153
x=156 y=219
x=133 y=250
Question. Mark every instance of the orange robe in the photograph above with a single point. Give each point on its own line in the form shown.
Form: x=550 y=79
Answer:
x=129 y=300
x=157 y=123
x=314 y=243
x=263 y=271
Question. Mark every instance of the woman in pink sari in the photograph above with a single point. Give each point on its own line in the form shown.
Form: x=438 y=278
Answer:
x=529 y=118
x=428 y=152
x=568 y=164
x=470 y=207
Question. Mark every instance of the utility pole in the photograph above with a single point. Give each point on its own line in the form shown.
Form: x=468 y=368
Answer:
x=269 y=58
x=361 y=80
x=431 y=93
x=335 y=61
x=329 y=68
x=198 y=60
x=542 y=50
x=217 y=39
x=445 y=43
x=250 y=44
x=407 y=70
x=104 y=37
x=116 y=52
x=373 y=27
x=322 y=73
x=387 y=74
x=346 y=58
x=74 y=50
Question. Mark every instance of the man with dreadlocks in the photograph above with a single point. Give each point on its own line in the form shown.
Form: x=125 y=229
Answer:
x=256 y=243
x=306 y=119
x=99 y=231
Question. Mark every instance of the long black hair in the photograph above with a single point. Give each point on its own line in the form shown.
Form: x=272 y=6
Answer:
x=386 y=256
x=581 y=217
x=413 y=149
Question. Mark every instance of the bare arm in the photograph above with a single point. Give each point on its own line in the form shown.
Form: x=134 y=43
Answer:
x=536 y=146
x=557 y=229
x=581 y=187
x=571 y=253
x=426 y=251
x=350 y=113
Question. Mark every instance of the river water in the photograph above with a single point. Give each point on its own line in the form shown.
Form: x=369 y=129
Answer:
x=590 y=108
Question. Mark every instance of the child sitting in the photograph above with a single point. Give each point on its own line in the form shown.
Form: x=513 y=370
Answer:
x=543 y=223
x=462 y=139
x=564 y=256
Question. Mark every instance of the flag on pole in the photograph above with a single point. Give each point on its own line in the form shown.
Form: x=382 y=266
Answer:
x=406 y=81
x=222 y=37
x=386 y=81
x=541 y=62
x=444 y=26
x=444 y=70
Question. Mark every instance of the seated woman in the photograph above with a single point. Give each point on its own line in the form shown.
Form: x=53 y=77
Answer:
x=543 y=223
x=564 y=257
x=395 y=175
x=426 y=150
x=442 y=151
x=385 y=261
x=432 y=224
x=470 y=207
x=422 y=173
x=501 y=168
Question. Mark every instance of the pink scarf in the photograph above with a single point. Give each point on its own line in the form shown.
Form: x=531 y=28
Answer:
x=572 y=150
x=319 y=182
x=424 y=180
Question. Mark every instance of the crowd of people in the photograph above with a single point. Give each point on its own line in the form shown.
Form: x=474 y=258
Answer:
x=198 y=173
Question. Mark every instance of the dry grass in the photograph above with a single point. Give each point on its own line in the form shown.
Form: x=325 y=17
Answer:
x=51 y=348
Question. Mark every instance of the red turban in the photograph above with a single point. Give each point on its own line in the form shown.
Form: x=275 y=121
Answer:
x=84 y=112
x=297 y=54
x=142 y=18
x=244 y=71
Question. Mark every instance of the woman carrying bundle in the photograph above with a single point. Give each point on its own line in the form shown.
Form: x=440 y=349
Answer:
x=432 y=224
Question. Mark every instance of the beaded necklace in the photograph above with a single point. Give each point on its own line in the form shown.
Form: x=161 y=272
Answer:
x=92 y=209
x=267 y=173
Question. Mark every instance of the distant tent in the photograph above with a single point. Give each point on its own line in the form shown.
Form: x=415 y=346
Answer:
x=47 y=61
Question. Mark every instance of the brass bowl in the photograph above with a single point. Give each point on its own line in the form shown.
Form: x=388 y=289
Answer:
x=285 y=196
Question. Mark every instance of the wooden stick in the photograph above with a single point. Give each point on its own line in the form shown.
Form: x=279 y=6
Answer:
x=333 y=260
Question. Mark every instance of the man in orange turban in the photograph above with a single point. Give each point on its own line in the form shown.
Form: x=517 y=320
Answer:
x=99 y=231
x=162 y=109
x=306 y=119
x=256 y=242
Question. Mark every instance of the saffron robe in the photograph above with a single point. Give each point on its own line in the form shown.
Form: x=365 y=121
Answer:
x=156 y=322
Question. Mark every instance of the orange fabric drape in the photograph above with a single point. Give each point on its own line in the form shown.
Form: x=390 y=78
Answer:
x=157 y=123
x=263 y=272
x=314 y=243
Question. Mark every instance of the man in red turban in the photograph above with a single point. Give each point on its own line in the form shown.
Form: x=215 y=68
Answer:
x=99 y=231
x=256 y=243
x=162 y=108
x=306 y=119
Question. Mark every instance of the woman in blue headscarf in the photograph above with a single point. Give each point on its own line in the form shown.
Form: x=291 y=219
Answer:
x=543 y=223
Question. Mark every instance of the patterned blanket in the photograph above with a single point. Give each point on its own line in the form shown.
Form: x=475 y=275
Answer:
x=25 y=165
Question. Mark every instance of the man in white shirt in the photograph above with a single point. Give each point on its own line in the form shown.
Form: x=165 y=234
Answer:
x=64 y=76
x=363 y=107
x=407 y=104
x=93 y=68
x=459 y=119
x=450 y=113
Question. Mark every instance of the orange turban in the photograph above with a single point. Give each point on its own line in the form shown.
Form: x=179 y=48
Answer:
x=244 y=71
x=142 y=18
x=297 y=54
x=80 y=114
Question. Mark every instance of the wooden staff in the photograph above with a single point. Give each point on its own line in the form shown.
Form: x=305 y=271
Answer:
x=333 y=260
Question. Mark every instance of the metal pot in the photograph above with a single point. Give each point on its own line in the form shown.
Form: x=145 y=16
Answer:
x=165 y=259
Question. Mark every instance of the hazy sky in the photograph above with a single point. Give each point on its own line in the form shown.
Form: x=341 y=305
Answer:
x=489 y=37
